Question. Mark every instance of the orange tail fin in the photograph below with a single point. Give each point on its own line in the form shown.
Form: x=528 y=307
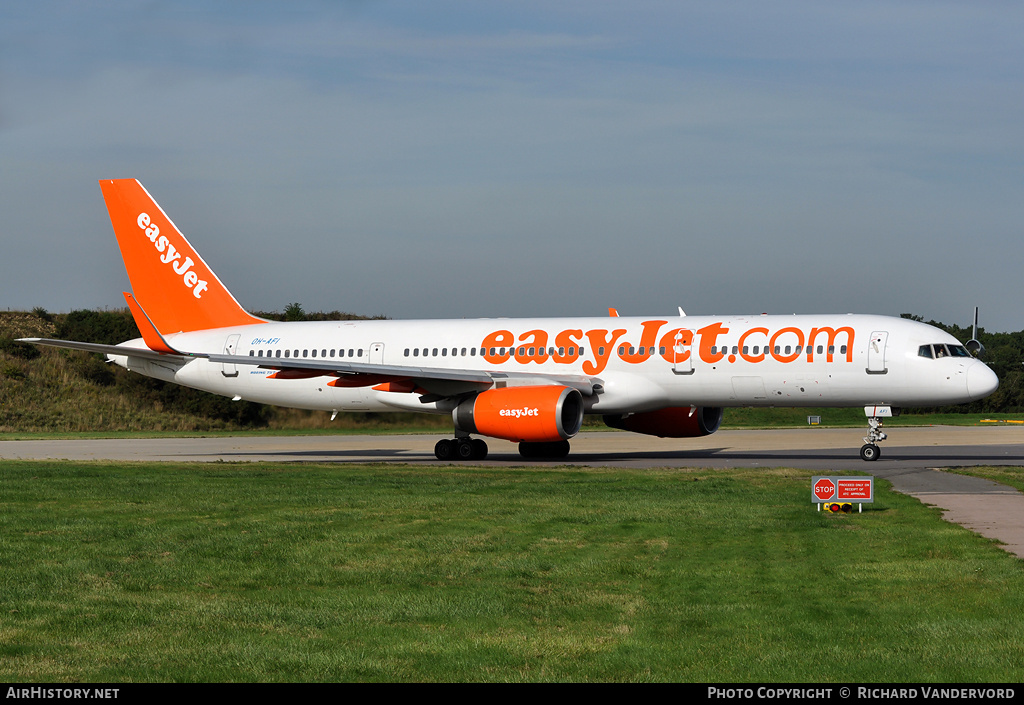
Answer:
x=169 y=278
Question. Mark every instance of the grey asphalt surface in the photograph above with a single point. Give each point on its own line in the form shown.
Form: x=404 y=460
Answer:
x=911 y=459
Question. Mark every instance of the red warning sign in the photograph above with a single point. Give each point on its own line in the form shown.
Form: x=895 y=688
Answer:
x=854 y=490
x=839 y=488
x=824 y=489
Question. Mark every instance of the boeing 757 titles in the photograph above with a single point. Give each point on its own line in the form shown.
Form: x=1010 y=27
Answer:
x=528 y=380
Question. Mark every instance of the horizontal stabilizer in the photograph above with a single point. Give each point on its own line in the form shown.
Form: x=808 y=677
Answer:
x=121 y=350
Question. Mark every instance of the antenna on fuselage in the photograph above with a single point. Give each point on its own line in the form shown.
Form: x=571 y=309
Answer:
x=974 y=345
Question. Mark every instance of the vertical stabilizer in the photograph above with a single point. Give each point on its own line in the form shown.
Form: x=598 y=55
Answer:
x=169 y=279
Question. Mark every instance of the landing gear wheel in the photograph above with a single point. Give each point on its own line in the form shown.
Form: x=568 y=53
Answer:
x=460 y=449
x=444 y=449
x=869 y=452
x=464 y=449
x=550 y=450
x=559 y=449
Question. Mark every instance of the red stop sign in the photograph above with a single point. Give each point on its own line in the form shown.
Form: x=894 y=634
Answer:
x=824 y=489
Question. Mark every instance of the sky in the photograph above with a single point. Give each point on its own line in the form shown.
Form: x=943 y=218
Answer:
x=464 y=159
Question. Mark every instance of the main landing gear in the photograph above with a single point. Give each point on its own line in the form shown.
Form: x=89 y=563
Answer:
x=548 y=451
x=869 y=451
x=464 y=448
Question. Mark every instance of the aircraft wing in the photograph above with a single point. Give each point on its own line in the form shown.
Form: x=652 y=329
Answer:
x=427 y=377
x=480 y=379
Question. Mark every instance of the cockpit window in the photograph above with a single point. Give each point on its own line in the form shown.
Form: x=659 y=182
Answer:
x=943 y=350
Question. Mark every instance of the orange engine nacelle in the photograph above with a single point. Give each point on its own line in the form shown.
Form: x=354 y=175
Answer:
x=532 y=414
x=671 y=422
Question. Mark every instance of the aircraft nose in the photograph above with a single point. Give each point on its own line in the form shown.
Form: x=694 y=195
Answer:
x=981 y=381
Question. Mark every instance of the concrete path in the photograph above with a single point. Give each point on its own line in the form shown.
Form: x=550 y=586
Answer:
x=993 y=510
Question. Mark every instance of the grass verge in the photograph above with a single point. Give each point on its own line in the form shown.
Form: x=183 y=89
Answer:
x=1007 y=475
x=255 y=572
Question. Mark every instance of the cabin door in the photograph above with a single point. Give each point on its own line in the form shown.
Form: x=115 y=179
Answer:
x=876 y=353
x=377 y=354
x=681 y=353
x=229 y=369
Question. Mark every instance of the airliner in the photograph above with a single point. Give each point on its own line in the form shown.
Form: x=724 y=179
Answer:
x=529 y=381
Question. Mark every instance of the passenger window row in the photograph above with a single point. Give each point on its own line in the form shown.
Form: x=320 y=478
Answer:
x=307 y=353
x=443 y=352
x=941 y=350
x=462 y=352
x=778 y=350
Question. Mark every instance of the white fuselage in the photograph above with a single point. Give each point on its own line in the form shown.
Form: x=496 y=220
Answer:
x=643 y=364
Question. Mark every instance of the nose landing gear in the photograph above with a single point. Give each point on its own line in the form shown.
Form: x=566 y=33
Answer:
x=870 y=451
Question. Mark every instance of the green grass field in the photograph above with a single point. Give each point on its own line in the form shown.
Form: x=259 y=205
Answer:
x=251 y=572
